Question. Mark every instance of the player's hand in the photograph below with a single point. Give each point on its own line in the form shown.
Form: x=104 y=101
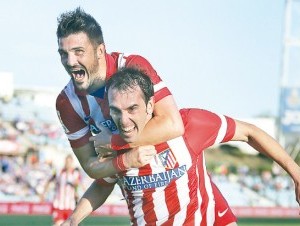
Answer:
x=139 y=156
x=102 y=141
x=297 y=192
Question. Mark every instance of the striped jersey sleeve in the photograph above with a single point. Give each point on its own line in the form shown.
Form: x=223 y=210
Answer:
x=204 y=128
x=138 y=62
x=74 y=126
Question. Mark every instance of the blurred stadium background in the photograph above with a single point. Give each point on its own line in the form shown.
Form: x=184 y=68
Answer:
x=33 y=145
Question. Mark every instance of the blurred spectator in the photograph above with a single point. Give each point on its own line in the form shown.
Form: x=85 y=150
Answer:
x=65 y=197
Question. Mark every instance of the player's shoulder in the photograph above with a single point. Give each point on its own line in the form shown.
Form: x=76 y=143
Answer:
x=197 y=116
x=62 y=99
x=136 y=61
x=131 y=58
x=195 y=111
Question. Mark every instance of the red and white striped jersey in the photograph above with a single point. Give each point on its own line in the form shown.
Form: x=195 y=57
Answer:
x=65 y=190
x=80 y=113
x=175 y=188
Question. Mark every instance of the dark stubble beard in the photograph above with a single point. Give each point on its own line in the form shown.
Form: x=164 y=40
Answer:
x=94 y=79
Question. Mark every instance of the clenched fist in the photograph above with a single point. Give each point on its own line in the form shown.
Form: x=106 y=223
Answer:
x=139 y=156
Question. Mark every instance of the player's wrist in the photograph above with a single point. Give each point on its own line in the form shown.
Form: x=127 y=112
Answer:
x=120 y=163
x=73 y=220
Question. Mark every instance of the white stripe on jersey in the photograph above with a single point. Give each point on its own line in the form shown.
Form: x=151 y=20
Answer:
x=180 y=151
x=133 y=172
x=74 y=100
x=110 y=180
x=198 y=215
x=210 y=214
x=160 y=205
x=76 y=104
x=95 y=110
x=183 y=194
x=78 y=134
x=159 y=86
x=182 y=155
x=222 y=130
x=121 y=60
x=138 y=211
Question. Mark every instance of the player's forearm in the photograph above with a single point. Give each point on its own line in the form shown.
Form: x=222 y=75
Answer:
x=265 y=144
x=82 y=210
x=92 y=199
x=165 y=125
x=100 y=168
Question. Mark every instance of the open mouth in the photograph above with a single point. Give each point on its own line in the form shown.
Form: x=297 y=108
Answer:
x=78 y=75
x=127 y=130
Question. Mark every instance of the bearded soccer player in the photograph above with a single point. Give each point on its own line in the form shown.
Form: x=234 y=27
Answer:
x=174 y=188
x=82 y=107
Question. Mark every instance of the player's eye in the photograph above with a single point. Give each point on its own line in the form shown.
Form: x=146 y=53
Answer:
x=79 y=52
x=133 y=109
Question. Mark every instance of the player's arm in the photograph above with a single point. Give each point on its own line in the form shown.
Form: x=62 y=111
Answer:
x=266 y=145
x=78 y=134
x=95 y=166
x=92 y=199
x=99 y=167
x=165 y=125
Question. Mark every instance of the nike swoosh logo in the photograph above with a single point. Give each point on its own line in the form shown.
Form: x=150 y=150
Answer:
x=221 y=214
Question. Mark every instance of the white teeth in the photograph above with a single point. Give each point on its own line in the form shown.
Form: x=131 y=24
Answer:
x=78 y=76
x=128 y=129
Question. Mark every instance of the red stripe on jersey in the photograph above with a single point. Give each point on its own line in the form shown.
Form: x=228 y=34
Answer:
x=131 y=206
x=172 y=202
x=203 y=190
x=193 y=204
x=142 y=64
x=230 y=129
x=145 y=170
x=162 y=93
x=149 y=212
x=103 y=182
x=202 y=128
x=104 y=106
x=169 y=222
x=71 y=120
x=161 y=147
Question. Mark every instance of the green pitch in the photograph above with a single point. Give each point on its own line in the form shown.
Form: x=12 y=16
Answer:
x=123 y=221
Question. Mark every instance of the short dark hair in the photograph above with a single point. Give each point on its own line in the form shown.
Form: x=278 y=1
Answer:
x=128 y=78
x=77 y=21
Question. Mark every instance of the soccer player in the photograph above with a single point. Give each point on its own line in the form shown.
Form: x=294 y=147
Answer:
x=82 y=107
x=174 y=188
x=65 y=195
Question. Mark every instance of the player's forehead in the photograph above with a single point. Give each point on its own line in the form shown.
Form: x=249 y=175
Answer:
x=124 y=98
x=76 y=40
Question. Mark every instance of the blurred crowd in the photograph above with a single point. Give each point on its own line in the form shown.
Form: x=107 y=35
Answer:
x=253 y=188
x=33 y=146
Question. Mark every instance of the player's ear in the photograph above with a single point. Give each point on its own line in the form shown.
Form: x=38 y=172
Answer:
x=101 y=50
x=150 y=106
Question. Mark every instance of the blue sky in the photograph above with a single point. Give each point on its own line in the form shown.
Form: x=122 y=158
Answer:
x=221 y=55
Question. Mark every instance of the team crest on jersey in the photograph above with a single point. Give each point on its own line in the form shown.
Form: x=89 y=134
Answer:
x=167 y=158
